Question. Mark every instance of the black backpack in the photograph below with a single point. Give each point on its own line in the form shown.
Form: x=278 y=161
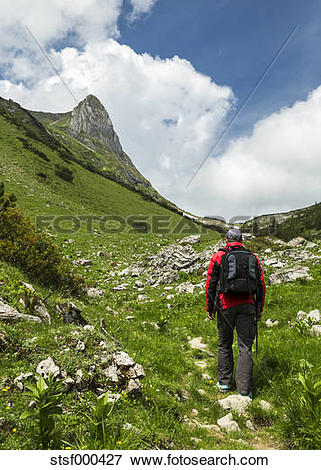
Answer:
x=239 y=271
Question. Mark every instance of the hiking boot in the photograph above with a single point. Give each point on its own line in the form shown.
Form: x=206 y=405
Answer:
x=250 y=395
x=223 y=388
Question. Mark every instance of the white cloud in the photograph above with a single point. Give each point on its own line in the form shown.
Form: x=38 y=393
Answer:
x=277 y=168
x=165 y=112
x=140 y=7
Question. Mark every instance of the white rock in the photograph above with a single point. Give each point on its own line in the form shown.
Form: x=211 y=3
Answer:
x=296 y=241
x=268 y=251
x=265 y=405
x=250 y=426
x=196 y=343
x=228 y=424
x=185 y=287
x=89 y=328
x=236 y=403
x=192 y=239
x=270 y=323
x=202 y=392
x=123 y=360
x=80 y=346
x=112 y=373
x=201 y=364
x=95 y=292
x=46 y=367
x=316 y=330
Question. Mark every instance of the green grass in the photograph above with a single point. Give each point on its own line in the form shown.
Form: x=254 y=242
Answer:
x=157 y=418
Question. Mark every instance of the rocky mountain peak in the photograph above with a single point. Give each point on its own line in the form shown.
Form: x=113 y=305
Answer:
x=90 y=122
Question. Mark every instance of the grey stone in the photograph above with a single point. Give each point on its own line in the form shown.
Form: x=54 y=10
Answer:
x=228 y=423
x=8 y=313
x=296 y=241
x=112 y=373
x=80 y=346
x=196 y=343
x=47 y=367
x=290 y=275
x=42 y=312
x=91 y=118
x=95 y=292
x=71 y=314
x=133 y=387
x=191 y=239
x=83 y=262
x=270 y=323
x=68 y=383
x=250 y=426
x=185 y=287
x=236 y=403
x=265 y=405
x=123 y=360
x=18 y=381
x=316 y=330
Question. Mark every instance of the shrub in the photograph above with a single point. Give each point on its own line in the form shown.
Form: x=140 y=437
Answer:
x=26 y=246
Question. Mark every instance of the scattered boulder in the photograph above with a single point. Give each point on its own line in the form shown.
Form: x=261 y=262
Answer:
x=250 y=426
x=94 y=292
x=313 y=317
x=196 y=343
x=19 y=381
x=42 y=311
x=201 y=364
x=296 y=241
x=290 y=275
x=265 y=405
x=125 y=372
x=185 y=287
x=316 y=330
x=8 y=313
x=228 y=423
x=270 y=323
x=47 y=367
x=83 y=262
x=236 y=403
x=192 y=239
x=89 y=328
x=80 y=346
x=71 y=314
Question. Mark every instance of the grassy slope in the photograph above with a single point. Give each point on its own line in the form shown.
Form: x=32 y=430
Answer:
x=165 y=354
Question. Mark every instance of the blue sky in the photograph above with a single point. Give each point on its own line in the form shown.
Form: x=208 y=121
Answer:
x=171 y=74
x=233 y=42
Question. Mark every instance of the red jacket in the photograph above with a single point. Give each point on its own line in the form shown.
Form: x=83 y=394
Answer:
x=228 y=300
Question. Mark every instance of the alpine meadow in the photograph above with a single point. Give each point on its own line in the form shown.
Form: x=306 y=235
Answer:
x=104 y=340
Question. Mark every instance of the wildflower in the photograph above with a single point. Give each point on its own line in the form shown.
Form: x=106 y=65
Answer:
x=119 y=443
x=67 y=448
x=210 y=381
x=4 y=390
x=8 y=407
x=14 y=430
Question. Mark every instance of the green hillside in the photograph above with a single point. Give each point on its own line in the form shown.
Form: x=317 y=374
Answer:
x=140 y=291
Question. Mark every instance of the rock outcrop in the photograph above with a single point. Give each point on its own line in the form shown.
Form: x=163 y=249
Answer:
x=91 y=118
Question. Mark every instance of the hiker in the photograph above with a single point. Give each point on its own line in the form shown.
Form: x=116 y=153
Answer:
x=235 y=289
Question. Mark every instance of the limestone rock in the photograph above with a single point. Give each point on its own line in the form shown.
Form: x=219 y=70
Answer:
x=265 y=405
x=236 y=403
x=42 y=311
x=123 y=360
x=18 y=381
x=46 y=367
x=270 y=323
x=228 y=423
x=196 y=343
x=83 y=262
x=290 y=275
x=185 y=287
x=192 y=239
x=95 y=292
x=71 y=314
x=316 y=330
x=296 y=241
x=8 y=313
x=91 y=118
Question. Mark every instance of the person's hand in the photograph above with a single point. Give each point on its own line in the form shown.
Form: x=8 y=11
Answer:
x=209 y=316
x=259 y=317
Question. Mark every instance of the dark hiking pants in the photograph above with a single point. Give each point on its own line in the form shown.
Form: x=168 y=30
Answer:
x=241 y=317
